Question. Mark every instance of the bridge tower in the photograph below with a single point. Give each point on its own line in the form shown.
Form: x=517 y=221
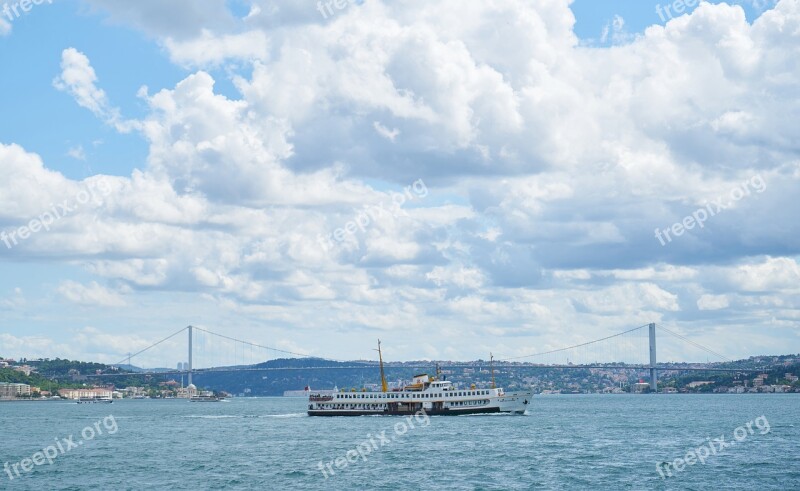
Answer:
x=190 y=354
x=653 y=373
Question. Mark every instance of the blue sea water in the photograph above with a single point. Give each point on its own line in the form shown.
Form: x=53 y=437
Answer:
x=571 y=442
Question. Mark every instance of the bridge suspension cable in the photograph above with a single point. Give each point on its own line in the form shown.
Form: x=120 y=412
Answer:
x=697 y=345
x=151 y=346
x=255 y=345
x=573 y=347
x=305 y=355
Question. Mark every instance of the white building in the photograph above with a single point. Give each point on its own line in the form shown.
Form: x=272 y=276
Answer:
x=11 y=390
x=90 y=393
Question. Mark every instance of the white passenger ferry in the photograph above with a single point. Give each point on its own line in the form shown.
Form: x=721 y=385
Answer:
x=425 y=393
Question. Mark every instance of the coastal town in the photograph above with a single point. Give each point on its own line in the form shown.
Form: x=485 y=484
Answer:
x=76 y=386
x=45 y=379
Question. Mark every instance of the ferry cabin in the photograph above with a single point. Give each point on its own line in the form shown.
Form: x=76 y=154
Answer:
x=434 y=397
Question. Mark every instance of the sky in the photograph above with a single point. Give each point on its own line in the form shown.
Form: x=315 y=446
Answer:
x=454 y=178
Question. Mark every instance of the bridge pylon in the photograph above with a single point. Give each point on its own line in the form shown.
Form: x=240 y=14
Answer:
x=653 y=372
x=190 y=354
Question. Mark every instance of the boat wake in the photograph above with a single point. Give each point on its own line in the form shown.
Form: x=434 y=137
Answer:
x=287 y=415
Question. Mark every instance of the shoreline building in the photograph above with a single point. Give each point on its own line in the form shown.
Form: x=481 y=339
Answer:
x=75 y=394
x=10 y=390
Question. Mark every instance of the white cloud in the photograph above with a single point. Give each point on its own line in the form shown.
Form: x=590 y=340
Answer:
x=28 y=188
x=211 y=50
x=178 y=18
x=77 y=152
x=549 y=165
x=91 y=295
x=614 y=32
x=460 y=277
x=5 y=27
x=386 y=132
x=771 y=274
x=78 y=78
x=712 y=302
x=14 y=301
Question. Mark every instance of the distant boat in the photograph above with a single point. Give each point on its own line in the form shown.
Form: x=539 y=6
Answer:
x=95 y=400
x=205 y=399
x=307 y=391
x=427 y=394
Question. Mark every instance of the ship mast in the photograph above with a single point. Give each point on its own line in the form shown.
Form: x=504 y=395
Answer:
x=384 y=386
x=491 y=364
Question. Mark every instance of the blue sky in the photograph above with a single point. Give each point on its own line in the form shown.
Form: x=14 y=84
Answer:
x=231 y=138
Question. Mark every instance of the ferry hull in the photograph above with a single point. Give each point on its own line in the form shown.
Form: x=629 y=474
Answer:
x=429 y=412
x=511 y=403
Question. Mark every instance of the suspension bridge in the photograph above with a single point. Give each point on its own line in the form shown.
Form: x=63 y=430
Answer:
x=631 y=349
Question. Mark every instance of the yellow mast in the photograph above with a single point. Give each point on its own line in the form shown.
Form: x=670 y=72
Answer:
x=384 y=386
x=491 y=364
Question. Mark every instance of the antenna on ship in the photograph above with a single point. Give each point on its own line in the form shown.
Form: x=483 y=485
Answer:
x=384 y=386
x=491 y=365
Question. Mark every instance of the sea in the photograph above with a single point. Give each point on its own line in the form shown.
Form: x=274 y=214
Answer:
x=574 y=442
